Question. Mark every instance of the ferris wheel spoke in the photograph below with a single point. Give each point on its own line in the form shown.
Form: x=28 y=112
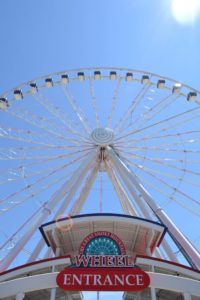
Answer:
x=155 y=148
x=28 y=136
x=161 y=162
x=12 y=152
x=94 y=103
x=60 y=116
x=180 y=143
x=161 y=122
x=132 y=107
x=169 y=175
x=32 y=137
x=46 y=157
x=176 y=190
x=20 y=172
x=170 y=159
x=43 y=188
x=48 y=125
x=151 y=137
x=167 y=196
x=77 y=110
x=52 y=172
x=45 y=124
x=153 y=111
x=32 y=195
x=29 y=219
x=114 y=101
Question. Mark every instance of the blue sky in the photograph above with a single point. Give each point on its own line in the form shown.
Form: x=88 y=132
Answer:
x=46 y=36
x=43 y=36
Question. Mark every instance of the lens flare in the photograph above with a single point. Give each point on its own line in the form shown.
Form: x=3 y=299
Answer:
x=185 y=11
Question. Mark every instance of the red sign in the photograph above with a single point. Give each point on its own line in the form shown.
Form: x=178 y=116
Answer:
x=103 y=279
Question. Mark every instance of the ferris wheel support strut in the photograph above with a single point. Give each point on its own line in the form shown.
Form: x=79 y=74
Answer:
x=124 y=199
x=77 y=207
x=145 y=211
x=186 y=248
x=44 y=214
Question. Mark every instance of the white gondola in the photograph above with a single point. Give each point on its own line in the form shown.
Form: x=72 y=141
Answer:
x=18 y=94
x=161 y=84
x=113 y=75
x=129 y=76
x=33 y=88
x=81 y=76
x=192 y=96
x=97 y=75
x=48 y=82
x=145 y=79
x=176 y=88
x=4 y=103
x=64 y=79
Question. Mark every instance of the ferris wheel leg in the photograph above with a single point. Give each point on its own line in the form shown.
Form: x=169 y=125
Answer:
x=186 y=248
x=143 y=208
x=78 y=205
x=122 y=195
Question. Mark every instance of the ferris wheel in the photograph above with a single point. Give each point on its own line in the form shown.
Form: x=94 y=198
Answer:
x=117 y=138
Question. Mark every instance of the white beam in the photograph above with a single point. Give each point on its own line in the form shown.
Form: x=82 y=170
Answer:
x=123 y=197
x=78 y=205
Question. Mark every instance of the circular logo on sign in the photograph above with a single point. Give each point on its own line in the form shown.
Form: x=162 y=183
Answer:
x=102 y=243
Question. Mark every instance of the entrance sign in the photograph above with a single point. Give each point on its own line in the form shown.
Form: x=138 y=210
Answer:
x=102 y=265
x=103 y=279
x=101 y=261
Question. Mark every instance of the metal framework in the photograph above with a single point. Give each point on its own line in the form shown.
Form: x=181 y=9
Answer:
x=59 y=132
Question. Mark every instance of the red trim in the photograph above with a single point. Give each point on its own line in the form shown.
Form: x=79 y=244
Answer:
x=167 y=261
x=33 y=263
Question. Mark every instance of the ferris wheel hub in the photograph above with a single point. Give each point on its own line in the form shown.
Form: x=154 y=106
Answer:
x=102 y=136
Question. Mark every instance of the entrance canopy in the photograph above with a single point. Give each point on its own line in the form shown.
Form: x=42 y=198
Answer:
x=139 y=236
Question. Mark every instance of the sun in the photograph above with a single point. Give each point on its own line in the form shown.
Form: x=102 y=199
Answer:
x=185 y=11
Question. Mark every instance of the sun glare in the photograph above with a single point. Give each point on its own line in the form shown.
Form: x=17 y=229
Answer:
x=186 y=11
